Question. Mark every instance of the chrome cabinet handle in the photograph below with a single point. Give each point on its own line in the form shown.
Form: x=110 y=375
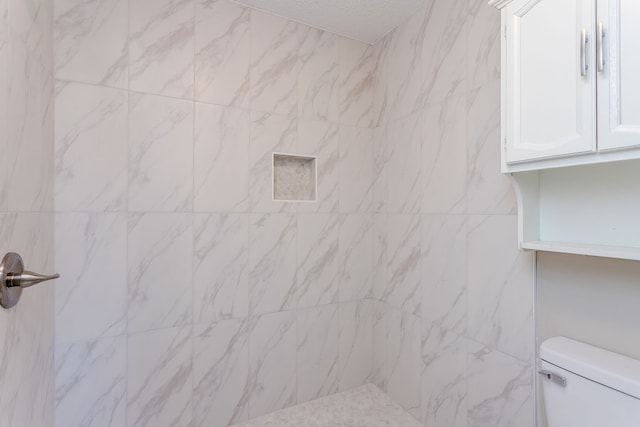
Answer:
x=583 y=52
x=14 y=278
x=599 y=47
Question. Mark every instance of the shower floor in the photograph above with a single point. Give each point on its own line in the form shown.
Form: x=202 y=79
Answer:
x=365 y=406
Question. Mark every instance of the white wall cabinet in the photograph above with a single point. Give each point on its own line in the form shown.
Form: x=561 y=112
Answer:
x=550 y=90
x=618 y=78
x=571 y=91
x=571 y=123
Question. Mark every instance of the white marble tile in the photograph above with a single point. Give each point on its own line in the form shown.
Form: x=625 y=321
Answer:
x=274 y=64
x=483 y=43
x=489 y=191
x=161 y=47
x=356 y=169
x=221 y=267
x=404 y=141
x=317 y=370
x=355 y=344
x=356 y=82
x=30 y=108
x=159 y=378
x=365 y=406
x=444 y=50
x=160 y=258
x=30 y=28
x=405 y=69
x=4 y=38
x=221 y=153
x=403 y=263
x=4 y=90
x=223 y=52
x=380 y=330
x=4 y=23
x=403 y=360
x=444 y=271
x=272 y=361
x=321 y=139
x=444 y=158
x=269 y=134
x=160 y=154
x=355 y=243
x=500 y=287
x=380 y=262
x=500 y=389
x=317 y=260
x=272 y=263
x=319 y=73
x=380 y=185
x=42 y=403
x=91 y=258
x=31 y=236
x=26 y=340
x=90 y=148
x=221 y=373
x=444 y=375
x=29 y=138
x=91 y=41
x=91 y=383
x=32 y=23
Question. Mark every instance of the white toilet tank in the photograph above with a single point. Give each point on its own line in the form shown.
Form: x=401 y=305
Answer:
x=587 y=386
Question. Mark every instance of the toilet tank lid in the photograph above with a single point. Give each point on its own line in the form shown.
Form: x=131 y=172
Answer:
x=614 y=370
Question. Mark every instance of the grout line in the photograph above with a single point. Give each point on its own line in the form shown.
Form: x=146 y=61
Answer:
x=127 y=216
x=250 y=311
x=193 y=203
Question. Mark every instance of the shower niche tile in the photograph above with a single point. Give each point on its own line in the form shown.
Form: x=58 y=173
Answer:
x=294 y=178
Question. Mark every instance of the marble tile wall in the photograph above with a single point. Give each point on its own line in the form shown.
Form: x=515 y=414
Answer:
x=26 y=202
x=210 y=303
x=453 y=331
x=189 y=297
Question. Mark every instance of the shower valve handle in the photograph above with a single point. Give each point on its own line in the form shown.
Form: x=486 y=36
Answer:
x=14 y=278
x=29 y=278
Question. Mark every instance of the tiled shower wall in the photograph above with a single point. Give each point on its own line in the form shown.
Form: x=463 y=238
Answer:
x=453 y=317
x=188 y=296
x=191 y=298
x=26 y=203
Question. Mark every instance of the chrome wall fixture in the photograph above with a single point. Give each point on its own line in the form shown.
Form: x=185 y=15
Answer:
x=14 y=278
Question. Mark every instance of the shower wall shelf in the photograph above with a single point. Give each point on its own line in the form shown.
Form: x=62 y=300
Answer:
x=294 y=178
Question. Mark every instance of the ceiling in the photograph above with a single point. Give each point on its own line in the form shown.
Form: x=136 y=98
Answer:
x=364 y=20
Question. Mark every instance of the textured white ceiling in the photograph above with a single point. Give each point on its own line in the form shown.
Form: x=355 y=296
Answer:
x=364 y=20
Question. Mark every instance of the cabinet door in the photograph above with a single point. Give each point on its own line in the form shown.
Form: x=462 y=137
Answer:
x=550 y=79
x=619 y=74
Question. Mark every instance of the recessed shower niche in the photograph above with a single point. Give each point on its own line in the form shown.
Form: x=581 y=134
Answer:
x=294 y=177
